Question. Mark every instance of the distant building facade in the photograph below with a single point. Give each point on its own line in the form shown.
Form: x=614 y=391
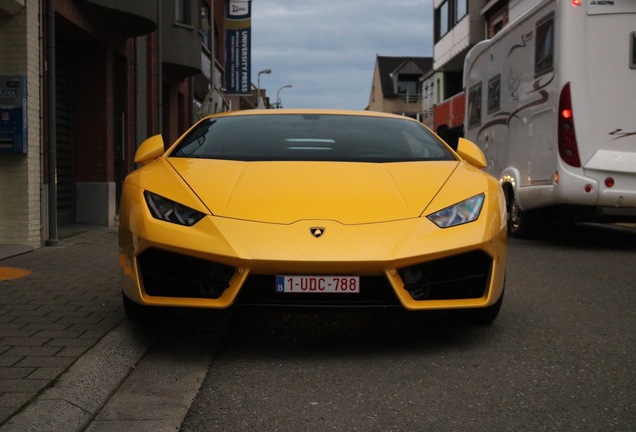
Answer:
x=396 y=86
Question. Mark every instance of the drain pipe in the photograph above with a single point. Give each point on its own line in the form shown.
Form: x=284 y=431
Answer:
x=52 y=160
x=159 y=70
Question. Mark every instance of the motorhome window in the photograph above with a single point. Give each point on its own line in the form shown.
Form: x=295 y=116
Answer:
x=632 y=47
x=544 y=48
x=474 y=106
x=494 y=93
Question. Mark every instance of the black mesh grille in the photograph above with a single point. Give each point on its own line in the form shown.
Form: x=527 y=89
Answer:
x=174 y=275
x=458 y=277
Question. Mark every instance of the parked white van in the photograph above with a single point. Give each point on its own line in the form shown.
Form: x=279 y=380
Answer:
x=551 y=100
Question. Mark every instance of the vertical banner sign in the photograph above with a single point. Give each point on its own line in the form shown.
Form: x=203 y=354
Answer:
x=238 y=44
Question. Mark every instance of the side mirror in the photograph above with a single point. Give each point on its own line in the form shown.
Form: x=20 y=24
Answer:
x=472 y=154
x=149 y=150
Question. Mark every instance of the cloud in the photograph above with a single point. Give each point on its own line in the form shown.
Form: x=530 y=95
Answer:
x=327 y=48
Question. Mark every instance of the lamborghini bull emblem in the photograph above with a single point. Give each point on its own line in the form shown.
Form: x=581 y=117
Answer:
x=317 y=231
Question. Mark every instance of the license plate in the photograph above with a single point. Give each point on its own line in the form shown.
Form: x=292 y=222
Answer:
x=317 y=284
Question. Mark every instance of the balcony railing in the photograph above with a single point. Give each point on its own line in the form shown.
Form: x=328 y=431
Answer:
x=410 y=97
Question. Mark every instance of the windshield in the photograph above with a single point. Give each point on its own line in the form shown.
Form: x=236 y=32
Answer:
x=311 y=137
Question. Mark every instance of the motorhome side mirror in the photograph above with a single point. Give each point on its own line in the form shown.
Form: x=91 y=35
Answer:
x=149 y=150
x=472 y=154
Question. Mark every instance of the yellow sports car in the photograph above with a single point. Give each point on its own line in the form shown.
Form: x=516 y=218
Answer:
x=312 y=208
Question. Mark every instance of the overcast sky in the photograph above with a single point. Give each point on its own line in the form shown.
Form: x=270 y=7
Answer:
x=326 y=49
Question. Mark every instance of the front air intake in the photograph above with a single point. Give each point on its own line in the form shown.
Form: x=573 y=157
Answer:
x=462 y=276
x=169 y=274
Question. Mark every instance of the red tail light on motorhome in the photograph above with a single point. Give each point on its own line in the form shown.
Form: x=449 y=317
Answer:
x=568 y=148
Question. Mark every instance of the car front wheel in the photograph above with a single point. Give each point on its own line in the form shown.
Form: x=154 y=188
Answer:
x=483 y=316
x=140 y=313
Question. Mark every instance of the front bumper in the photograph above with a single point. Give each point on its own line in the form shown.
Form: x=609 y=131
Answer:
x=221 y=262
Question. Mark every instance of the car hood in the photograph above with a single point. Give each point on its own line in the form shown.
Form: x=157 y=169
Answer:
x=286 y=192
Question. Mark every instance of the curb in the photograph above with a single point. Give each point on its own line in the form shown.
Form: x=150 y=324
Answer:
x=74 y=400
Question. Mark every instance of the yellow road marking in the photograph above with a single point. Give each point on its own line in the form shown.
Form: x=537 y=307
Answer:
x=7 y=273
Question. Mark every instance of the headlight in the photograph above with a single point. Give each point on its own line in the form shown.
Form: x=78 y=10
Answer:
x=458 y=214
x=167 y=210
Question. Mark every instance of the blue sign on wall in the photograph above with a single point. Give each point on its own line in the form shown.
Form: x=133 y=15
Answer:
x=238 y=47
x=13 y=114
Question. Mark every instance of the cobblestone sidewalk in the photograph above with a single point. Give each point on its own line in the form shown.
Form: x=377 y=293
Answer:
x=55 y=304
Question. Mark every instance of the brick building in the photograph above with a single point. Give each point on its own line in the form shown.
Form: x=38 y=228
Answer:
x=100 y=76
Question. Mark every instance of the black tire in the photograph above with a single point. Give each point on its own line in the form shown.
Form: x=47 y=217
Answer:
x=520 y=223
x=483 y=316
x=140 y=313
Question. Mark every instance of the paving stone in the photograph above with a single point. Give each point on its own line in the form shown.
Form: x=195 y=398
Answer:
x=71 y=352
x=7 y=360
x=71 y=342
x=22 y=385
x=31 y=351
x=52 y=334
x=34 y=361
x=49 y=373
x=15 y=399
x=25 y=341
x=15 y=372
x=17 y=332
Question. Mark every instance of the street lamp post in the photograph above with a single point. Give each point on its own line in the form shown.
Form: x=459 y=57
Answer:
x=259 y=102
x=278 y=103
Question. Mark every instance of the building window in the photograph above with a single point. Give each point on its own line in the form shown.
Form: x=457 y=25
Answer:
x=461 y=9
x=496 y=19
x=205 y=29
x=442 y=19
x=544 y=48
x=438 y=96
x=408 y=87
x=182 y=12
x=449 y=13
x=494 y=94
x=474 y=106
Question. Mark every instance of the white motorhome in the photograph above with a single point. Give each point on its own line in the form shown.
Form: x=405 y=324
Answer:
x=551 y=100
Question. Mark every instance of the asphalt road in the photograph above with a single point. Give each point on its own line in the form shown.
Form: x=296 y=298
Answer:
x=560 y=357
